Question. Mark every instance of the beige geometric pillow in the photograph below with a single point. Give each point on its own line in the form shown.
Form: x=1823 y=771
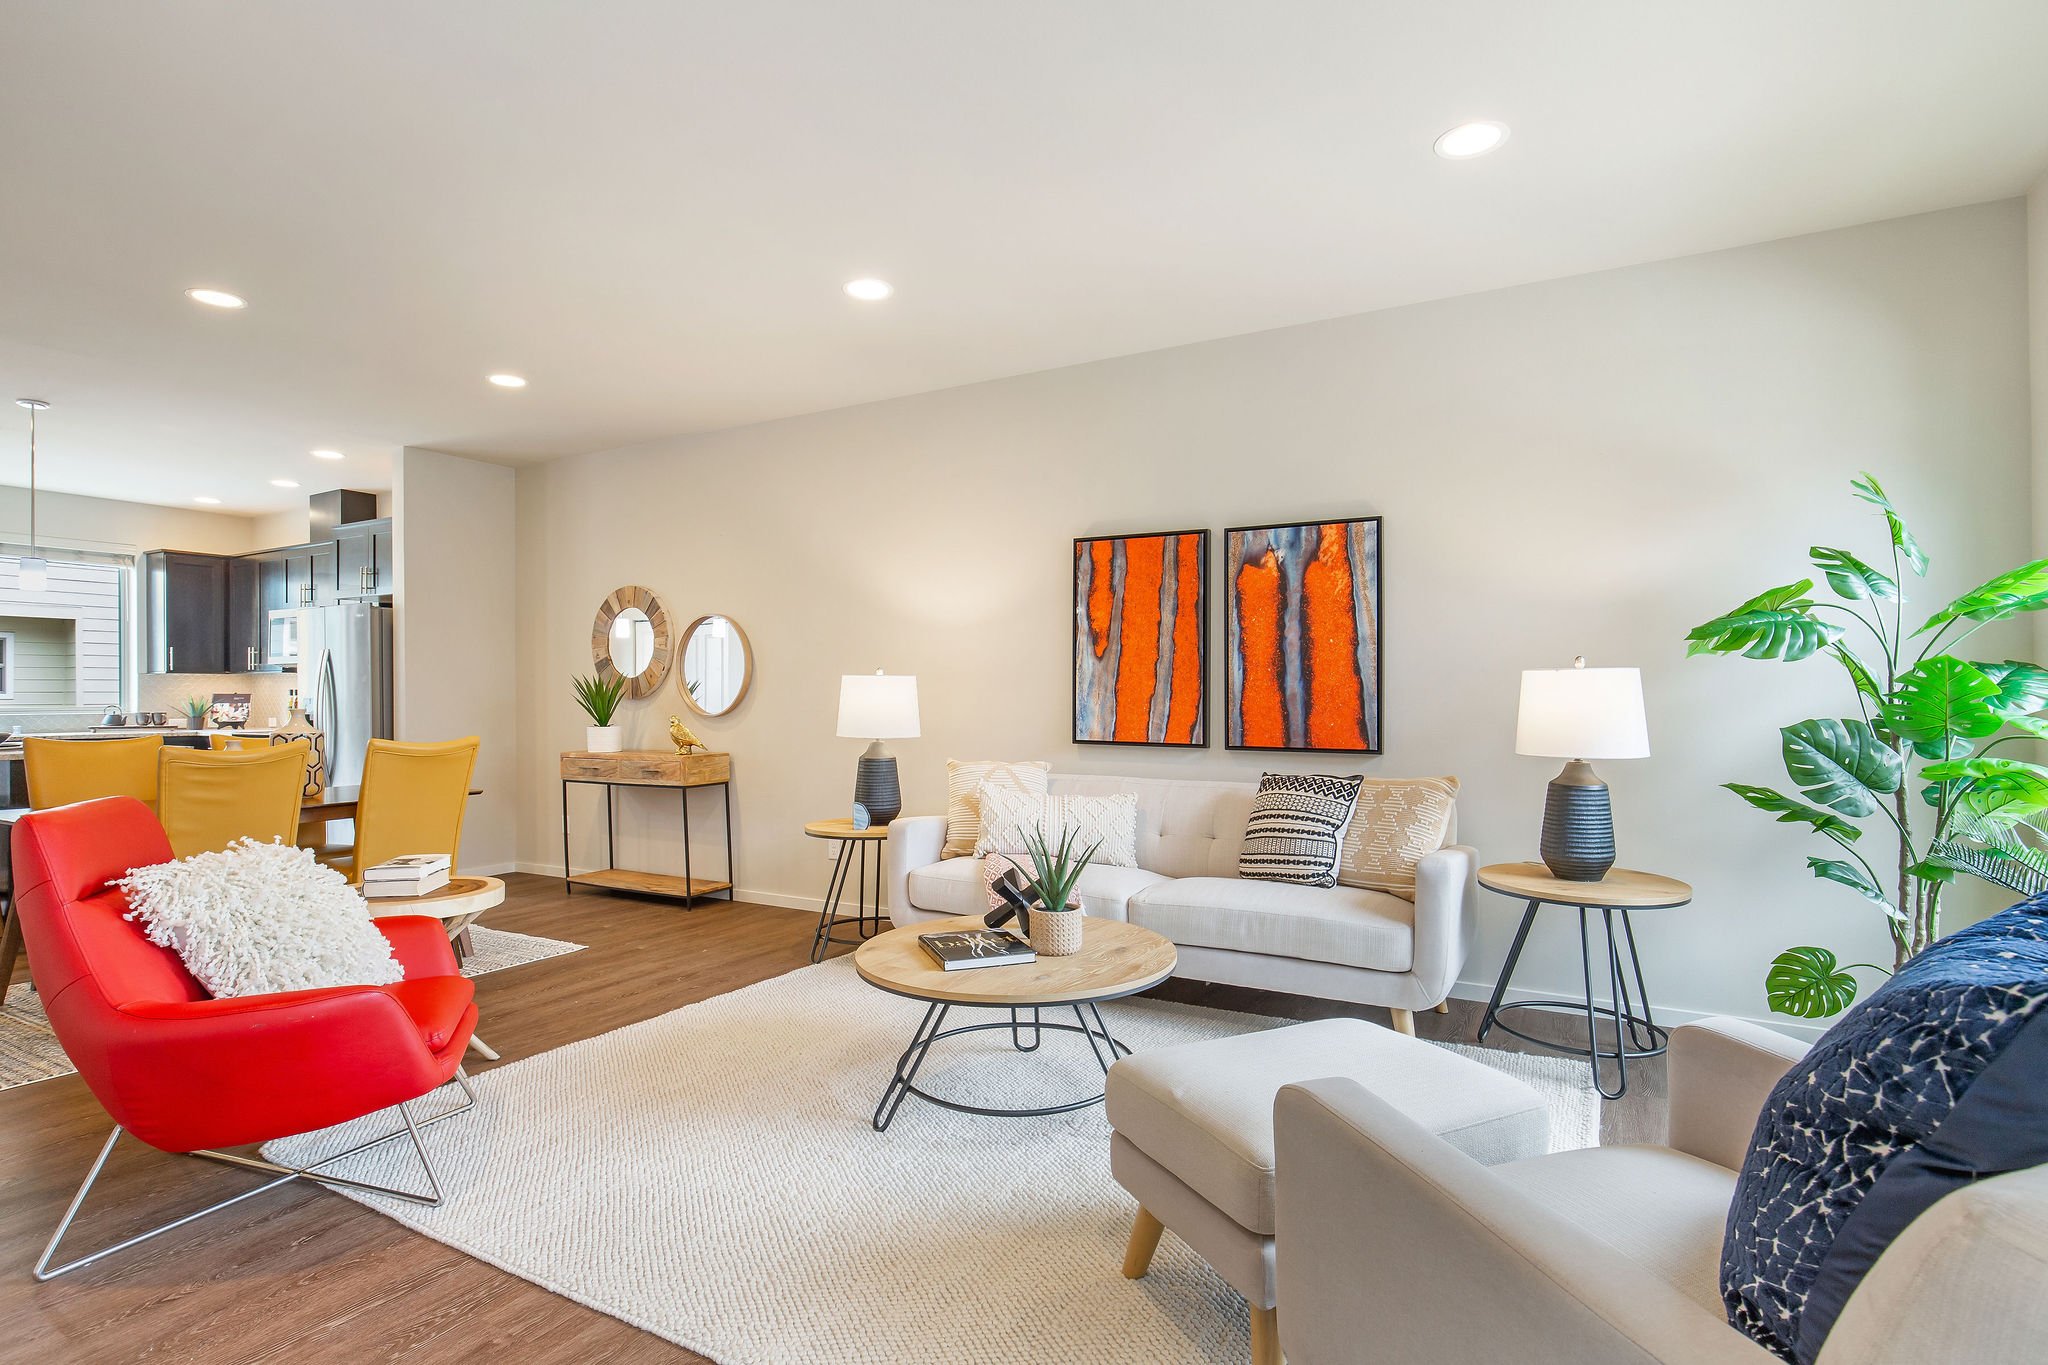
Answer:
x=963 y=796
x=1107 y=824
x=1396 y=824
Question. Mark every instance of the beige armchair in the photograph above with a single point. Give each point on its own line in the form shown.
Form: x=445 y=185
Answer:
x=1395 y=1247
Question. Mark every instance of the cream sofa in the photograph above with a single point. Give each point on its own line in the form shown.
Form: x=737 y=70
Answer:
x=1367 y=947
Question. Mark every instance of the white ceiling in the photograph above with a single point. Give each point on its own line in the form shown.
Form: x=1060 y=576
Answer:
x=648 y=207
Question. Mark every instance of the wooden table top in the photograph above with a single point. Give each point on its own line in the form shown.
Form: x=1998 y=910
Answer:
x=339 y=803
x=462 y=896
x=842 y=828
x=1621 y=889
x=1115 y=959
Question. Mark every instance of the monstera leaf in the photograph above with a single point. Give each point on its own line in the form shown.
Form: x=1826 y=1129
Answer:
x=1997 y=790
x=1856 y=879
x=1858 y=671
x=2012 y=592
x=1790 y=812
x=1868 y=489
x=1939 y=698
x=1808 y=983
x=1850 y=577
x=1841 y=764
x=2022 y=688
x=1778 y=624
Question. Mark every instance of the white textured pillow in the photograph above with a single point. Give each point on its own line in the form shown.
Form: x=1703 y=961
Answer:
x=1108 y=821
x=257 y=919
x=964 y=781
x=1396 y=824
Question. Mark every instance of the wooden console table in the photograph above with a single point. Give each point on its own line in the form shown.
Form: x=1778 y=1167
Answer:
x=648 y=768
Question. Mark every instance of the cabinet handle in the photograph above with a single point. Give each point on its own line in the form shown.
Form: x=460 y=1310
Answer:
x=171 y=658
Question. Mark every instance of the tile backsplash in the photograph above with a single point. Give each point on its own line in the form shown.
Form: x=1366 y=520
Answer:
x=268 y=692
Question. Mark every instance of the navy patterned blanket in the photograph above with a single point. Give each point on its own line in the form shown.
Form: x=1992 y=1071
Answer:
x=1874 y=1089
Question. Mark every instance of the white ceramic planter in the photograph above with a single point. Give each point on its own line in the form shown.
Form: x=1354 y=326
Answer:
x=601 y=739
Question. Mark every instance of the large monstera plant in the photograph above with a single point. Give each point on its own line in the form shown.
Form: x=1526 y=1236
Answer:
x=1925 y=761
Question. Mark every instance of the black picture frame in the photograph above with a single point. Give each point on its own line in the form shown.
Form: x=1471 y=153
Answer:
x=1373 y=698
x=1087 y=695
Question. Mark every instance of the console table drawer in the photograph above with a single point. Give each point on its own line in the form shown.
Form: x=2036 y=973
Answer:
x=655 y=770
x=596 y=766
x=699 y=770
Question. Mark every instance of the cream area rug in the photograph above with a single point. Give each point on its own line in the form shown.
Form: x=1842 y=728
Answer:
x=711 y=1175
x=29 y=1052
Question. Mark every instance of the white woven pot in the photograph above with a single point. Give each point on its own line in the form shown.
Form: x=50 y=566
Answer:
x=1057 y=933
x=601 y=739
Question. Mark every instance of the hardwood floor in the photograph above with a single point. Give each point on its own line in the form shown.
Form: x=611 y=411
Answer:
x=304 y=1275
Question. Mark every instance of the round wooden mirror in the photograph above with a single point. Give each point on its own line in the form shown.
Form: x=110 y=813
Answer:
x=631 y=639
x=718 y=665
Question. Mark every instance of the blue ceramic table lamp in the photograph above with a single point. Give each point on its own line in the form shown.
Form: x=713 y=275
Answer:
x=877 y=706
x=1580 y=713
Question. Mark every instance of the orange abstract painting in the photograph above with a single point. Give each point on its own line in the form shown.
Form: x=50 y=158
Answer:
x=1302 y=636
x=1141 y=639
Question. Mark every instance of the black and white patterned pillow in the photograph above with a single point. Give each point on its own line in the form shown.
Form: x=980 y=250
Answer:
x=1296 y=830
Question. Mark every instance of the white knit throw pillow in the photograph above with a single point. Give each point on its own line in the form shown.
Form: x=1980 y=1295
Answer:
x=257 y=919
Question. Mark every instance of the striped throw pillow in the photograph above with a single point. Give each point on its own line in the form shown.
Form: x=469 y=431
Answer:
x=963 y=796
x=1296 y=829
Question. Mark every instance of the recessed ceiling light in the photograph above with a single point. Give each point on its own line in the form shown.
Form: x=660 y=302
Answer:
x=284 y=483
x=216 y=298
x=210 y=502
x=869 y=290
x=1468 y=140
x=326 y=454
x=508 y=381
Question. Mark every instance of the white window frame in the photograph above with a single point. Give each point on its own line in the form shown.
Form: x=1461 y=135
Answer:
x=6 y=665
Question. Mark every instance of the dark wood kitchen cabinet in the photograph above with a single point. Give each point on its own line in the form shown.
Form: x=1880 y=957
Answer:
x=364 y=560
x=185 y=612
x=256 y=587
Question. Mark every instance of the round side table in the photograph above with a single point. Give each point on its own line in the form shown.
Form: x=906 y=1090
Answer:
x=1621 y=890
x=457 y=905
x=853 y=859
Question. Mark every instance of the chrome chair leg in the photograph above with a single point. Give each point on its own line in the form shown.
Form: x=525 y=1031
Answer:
x=285 y=1175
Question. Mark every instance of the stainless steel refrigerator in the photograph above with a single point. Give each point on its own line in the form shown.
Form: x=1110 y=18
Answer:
x=345 y=681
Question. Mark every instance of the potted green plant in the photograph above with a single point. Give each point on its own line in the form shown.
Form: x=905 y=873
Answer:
x=1056 y=918
x=600 y=697
x=1918 y=759
x=195 y=713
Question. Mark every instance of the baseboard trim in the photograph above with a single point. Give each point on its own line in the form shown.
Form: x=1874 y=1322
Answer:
x=1804 y=1030
x=752 y=895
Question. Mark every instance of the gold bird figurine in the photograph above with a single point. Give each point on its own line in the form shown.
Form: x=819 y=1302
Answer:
x=684 y=740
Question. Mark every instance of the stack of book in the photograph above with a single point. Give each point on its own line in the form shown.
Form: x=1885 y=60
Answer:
x=416 y=874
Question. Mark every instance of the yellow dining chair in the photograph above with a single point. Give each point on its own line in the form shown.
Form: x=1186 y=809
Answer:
x=411 y=801
x=210 y=798
x=61 y=771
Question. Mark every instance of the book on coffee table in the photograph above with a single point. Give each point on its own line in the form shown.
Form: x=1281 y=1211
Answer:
x=969 y=948
x=415 y=874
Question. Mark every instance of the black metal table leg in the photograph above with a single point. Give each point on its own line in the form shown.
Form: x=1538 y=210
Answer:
x=907 y=1065
x=567 y=885
x=828 y=914
x=689 y=877
x=732 y=876
x=931 y=1029
x=1649 y=1019
x=1507 y=971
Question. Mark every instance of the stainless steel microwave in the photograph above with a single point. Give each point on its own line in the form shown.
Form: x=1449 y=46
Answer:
x=281 y=637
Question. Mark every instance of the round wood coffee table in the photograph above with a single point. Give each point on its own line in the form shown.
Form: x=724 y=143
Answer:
x=1116 y=959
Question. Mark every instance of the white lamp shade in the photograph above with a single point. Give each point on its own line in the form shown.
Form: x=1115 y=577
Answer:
x=878 y=706
x=1582 y=713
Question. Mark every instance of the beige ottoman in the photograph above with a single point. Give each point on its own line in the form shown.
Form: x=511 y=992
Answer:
x=1194 y=1134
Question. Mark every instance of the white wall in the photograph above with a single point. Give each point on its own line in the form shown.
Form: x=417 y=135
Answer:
x=457 y=666
x=2037 y=310
x=1590 y=465
x=103 y=524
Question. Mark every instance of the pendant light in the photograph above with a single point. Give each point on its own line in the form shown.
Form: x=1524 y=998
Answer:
x=35 y=570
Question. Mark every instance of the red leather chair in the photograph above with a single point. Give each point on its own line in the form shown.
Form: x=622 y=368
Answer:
x=186 y=1072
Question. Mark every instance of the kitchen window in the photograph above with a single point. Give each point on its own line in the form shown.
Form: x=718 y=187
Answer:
x=67 y=644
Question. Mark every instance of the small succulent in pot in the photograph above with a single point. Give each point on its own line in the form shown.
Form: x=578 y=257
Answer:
x=195 y=713
x=1051 y=879
x=600 y=697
